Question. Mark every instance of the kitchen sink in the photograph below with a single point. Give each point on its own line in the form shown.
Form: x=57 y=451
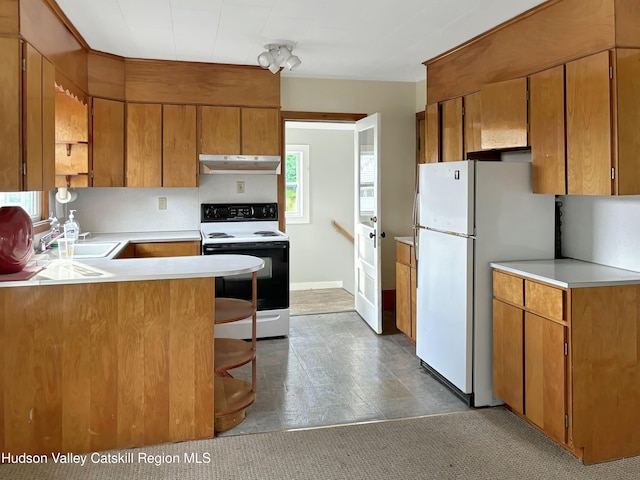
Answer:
x=93 y=250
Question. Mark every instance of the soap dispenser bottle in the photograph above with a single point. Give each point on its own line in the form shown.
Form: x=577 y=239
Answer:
x=71 y=227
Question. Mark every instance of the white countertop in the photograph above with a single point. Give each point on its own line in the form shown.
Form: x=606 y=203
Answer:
x=570 y=273
x=110 y=269
x=408 y=240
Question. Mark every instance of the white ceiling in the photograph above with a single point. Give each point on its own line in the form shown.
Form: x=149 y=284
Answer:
x=348 y=39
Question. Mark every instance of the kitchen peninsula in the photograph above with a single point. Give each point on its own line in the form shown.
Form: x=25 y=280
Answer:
x=106 y=354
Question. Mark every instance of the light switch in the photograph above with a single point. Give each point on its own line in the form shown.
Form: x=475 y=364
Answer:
x=240 y=186
x=162 y=203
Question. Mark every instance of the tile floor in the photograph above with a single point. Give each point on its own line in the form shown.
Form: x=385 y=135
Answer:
x=332 y=369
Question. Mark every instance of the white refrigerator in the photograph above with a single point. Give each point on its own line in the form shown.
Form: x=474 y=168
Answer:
x=471 y=213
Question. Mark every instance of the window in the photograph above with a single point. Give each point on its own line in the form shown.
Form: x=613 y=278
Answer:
x=297 y=183
x=30 y=201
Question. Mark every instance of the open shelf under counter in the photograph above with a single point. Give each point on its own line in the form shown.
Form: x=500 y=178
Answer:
x=231 y=353
x=232 y=310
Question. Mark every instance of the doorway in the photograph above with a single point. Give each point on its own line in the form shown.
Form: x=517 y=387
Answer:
x=318 y=178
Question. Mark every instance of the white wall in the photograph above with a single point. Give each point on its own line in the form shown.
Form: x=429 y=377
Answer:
x=318 y=252
x=603 y=230
x=396 y=102
x=134 y=209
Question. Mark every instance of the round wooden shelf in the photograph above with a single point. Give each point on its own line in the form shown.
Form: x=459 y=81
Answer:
x=232 y=310
x=231 y=353
x=231 y=395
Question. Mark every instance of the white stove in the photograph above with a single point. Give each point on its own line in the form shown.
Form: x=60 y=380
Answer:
x=250 y=229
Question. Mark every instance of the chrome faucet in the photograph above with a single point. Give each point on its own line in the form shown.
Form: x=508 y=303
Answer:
x=54 y=224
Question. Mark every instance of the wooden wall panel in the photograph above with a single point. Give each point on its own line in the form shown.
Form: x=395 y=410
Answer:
x=76 y=370
x=9 y=21
x=560 y=31
x=106 y=76
x=44 y=30
x=203 y=320
x=200 y=83
x=104 y=366
x=157 y=304
x=130 y=423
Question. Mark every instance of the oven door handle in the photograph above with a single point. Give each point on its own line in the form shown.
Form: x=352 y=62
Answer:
x=244 y=246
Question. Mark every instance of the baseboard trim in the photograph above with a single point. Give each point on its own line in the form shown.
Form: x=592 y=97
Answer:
x=315 y=285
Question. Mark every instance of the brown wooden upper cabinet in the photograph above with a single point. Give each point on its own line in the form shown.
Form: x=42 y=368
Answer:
x=179 y=146
x=107 y=143
x=452 y=146
x=260 y=131
x=432 y=139
x=472 y=123
x=504 y=114
x=239 y=131
x=547 y=131
x=144 y=145
x=603 y=114
x=27 y=110
x=72 y=141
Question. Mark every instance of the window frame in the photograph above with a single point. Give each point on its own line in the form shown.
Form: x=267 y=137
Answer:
x=302 y=183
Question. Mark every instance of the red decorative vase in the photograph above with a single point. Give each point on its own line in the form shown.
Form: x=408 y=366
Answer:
x=16 y=239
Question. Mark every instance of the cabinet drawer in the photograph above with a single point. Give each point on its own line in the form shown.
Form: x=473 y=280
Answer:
x=544 y=300
x=404 y=253
x=508 y=288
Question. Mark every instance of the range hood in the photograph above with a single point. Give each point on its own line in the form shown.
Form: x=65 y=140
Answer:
x=239 y=164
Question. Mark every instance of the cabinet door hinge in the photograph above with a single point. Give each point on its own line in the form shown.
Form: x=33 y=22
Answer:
x=92 y=111
x=566 y=349
x=613 y=173
x=24 y=64
x=610 y=71
x=566 y=421
x=527 y=95
x=463 y=111
x=91 y=173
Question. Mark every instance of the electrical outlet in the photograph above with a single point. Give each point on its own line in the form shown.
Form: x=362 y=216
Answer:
x=162 y=203
x=240 y=186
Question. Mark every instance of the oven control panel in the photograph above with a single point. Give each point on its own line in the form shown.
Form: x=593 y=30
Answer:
x=224 y=212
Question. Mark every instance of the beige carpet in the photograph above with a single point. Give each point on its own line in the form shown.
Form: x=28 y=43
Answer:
x=476 y=444
x=322 y=300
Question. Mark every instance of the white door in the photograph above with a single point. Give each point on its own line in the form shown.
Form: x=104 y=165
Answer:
x=367 y=222
x=445 y=308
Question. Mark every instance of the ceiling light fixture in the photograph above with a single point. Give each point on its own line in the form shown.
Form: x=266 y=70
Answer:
x=276 y=55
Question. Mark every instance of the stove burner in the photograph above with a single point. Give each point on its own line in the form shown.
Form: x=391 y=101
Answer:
x=219 y=235
x=266 y=233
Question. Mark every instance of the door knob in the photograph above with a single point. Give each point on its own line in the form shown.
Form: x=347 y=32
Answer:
x=373 y=219
x=371 y=234
x=382 y=235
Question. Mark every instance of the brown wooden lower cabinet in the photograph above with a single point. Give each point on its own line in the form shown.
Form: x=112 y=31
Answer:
x=160 y=249
x=99 y=366
x=406 y=290
x=566 y=360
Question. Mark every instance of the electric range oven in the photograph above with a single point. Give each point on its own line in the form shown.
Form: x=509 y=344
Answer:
x=250 y=229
